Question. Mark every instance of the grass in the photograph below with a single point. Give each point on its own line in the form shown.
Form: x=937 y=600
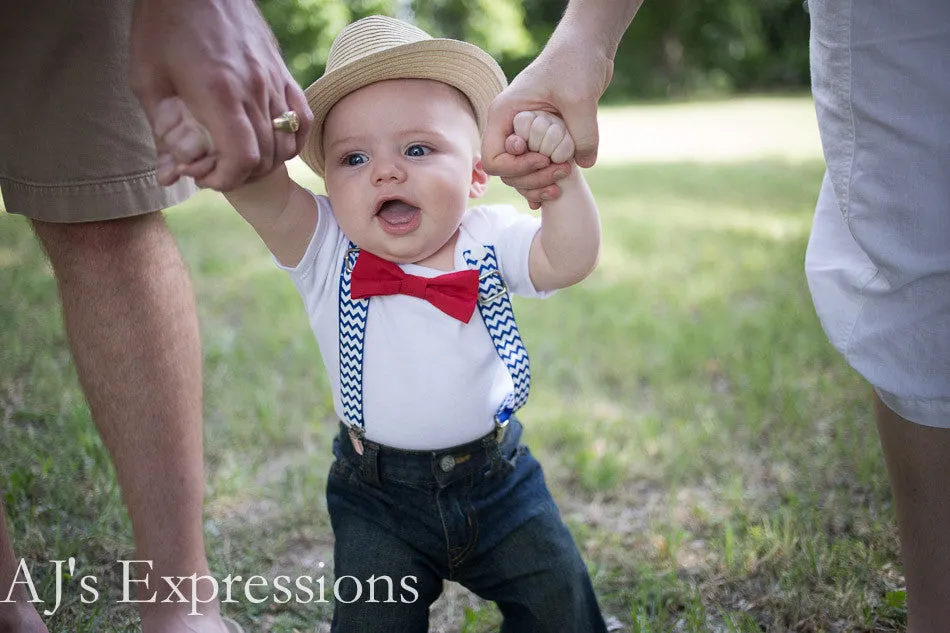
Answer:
x=713 y=456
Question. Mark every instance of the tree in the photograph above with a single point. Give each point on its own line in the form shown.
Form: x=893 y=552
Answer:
x=674 y=47
x=306 y=28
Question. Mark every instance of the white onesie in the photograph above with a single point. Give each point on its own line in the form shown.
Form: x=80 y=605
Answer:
x=429 y=380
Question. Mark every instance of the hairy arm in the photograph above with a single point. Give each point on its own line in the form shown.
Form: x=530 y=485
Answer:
x=600 y=23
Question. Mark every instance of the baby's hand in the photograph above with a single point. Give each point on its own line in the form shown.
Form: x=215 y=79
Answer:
x=184 y=145
x=542 y=132
x=546 y=134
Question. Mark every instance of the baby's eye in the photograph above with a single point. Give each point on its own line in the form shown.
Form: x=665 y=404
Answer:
x=355 y=159
x=417 y=150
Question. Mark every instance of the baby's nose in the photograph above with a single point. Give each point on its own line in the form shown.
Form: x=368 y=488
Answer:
x=387 y=171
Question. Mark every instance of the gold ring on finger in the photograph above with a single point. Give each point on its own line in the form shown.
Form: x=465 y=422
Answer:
x=287 y=122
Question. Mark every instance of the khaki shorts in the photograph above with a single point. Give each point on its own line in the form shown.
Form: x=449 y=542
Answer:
x=75 y=145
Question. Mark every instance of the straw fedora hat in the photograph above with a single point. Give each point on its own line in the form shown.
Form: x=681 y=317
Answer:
x=379 y=48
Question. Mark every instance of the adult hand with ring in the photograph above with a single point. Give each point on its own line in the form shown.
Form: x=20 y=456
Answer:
x=191 y=148
x=222 y=61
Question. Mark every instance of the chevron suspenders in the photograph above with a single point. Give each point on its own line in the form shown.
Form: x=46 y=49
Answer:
x=494 y=305
x=352 y=334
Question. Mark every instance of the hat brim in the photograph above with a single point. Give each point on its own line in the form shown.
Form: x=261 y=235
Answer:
x=459 y=64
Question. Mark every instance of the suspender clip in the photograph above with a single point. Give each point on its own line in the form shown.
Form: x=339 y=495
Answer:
x=501 y=291
x=501 y=428
x=346 y=257
x=356 y=437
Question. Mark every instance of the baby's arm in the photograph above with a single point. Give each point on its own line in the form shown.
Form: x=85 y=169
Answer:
x=280 y=210
x=566 y=248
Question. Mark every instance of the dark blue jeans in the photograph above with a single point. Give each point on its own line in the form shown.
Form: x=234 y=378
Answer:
x=478 y=514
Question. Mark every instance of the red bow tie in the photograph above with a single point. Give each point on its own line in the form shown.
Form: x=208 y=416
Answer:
x=454 y=293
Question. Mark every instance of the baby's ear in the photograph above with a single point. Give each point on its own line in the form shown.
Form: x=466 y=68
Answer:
x=479 y=181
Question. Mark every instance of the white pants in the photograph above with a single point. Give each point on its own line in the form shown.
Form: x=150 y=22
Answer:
x=878 y=261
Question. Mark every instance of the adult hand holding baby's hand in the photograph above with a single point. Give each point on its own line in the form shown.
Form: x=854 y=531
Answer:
x=567 y=78
x=546 y=134
x=187 y=149
x=223 y=62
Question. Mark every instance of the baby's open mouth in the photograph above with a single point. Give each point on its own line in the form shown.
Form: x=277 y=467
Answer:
x=397 y=212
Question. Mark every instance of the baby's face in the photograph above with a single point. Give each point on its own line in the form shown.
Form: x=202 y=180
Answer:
x=401 y=162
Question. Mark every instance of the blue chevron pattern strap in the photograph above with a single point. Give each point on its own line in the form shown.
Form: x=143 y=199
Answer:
x=494 y=304
x=352 y=330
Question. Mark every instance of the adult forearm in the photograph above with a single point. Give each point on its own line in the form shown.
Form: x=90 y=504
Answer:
x=599 y=23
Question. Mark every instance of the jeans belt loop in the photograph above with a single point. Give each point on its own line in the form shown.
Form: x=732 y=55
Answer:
x=369 y=463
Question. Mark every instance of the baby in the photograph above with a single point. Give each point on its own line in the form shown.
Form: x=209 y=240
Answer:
x=430 y=480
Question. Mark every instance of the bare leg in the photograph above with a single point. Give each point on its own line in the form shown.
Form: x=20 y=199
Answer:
x=918 y=462
x=19 y=617
x=131 y=322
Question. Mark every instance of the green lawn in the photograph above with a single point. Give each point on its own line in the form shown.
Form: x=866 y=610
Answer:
x=714 y=457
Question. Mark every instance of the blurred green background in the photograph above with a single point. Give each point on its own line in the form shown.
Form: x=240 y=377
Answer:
x=675 y=48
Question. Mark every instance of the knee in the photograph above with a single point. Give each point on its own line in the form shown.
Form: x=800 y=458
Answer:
x=91 y=245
